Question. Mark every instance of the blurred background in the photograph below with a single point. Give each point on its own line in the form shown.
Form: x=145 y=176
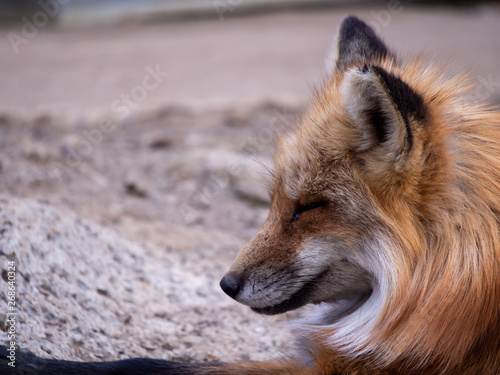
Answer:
x=82 y=54
x=144 y=128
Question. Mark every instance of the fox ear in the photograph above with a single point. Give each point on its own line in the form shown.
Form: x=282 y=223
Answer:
x=356 y=45
x=386 y=114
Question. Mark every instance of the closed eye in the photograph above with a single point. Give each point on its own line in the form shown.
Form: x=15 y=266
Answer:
x=307 y=207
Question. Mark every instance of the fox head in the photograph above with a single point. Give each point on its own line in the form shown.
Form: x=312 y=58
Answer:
x=356 y=150
x=367 y=211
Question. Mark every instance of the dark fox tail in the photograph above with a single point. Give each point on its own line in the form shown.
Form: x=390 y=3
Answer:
x=26 y=363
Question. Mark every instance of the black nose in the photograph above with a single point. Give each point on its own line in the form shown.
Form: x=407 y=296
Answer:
x=230 y=284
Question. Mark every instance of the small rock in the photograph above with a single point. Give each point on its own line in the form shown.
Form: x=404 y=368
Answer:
x=167 y=346
x=160 y=143
x=44 y=348
x=103 y=292
x=134 y=189
x=148 y=347
x=78 y=339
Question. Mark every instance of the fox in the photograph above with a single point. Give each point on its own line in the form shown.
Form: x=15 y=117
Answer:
x=384 y=220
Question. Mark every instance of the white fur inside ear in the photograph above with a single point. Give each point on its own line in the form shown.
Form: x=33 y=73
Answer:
x=331 y=56
x=363 y=95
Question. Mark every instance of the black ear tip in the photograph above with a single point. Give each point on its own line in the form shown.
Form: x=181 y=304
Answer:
x=351 y=20
x=358 y=44
x=352 y=25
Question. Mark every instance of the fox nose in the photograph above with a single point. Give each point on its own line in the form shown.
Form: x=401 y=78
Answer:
x=231 y=284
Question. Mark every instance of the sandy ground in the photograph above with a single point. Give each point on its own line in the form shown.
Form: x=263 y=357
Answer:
x=134 y=166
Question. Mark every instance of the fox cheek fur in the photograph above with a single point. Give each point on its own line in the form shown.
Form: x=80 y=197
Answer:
x=295 y=260
x=311 y=246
